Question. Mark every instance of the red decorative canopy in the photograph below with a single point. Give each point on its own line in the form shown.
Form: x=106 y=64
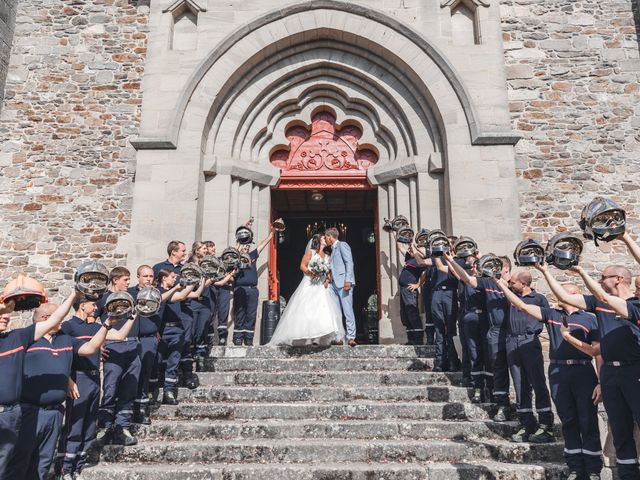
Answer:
x=323 y=153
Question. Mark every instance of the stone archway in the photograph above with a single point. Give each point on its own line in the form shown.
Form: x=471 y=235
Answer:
x=438 y=158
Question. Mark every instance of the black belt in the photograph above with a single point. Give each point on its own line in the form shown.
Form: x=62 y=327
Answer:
x=125 y=339
x=619 y=363
x=56 y=406
x=91 y=373
x=570 y=362
x=7 y=408
x=246 y=286
x=150 y=335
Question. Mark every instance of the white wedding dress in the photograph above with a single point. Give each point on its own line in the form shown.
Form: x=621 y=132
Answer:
x=311 y=316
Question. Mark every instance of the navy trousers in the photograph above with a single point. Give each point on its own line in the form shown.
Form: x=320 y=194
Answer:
x=120 y=384
x=476 y=327
x=410 y=316
x=571 y=390
x=33 y=454
x=186 y=358
x=245 y=304
x=444 y=315
x=10 y=420
x=148 y=354
x=496 y=341
x=79 y=431
x=201 y=329
x=524 y=355
x=223 y=304
x=429 y=328
x=621 y=397
x=171 y=351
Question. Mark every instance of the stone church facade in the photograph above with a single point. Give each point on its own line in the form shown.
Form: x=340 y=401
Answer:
x=128 y=124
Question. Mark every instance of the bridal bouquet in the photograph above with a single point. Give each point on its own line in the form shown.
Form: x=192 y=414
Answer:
x=319 y=268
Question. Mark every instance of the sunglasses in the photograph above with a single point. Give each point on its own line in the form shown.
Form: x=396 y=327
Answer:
x=604 y=277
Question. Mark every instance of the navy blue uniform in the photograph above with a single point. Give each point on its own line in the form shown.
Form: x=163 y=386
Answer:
x=172 y=342
x=444 y=313
x=166 y=265
x=201 y=308
x=148 y=334
x=572 y=379
x=121 y=374
x=474 y=323
x=526 y=363
x=620 y=350
x=45 y=382
x=223 y=307
x=245 y=302
x=497 y=309
x=13 y=348
x=79 y=431
x=409 y=310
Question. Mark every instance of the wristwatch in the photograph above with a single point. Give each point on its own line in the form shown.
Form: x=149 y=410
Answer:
x=107 y=324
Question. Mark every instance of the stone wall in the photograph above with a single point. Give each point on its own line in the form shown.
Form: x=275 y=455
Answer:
x=72 y=102
x=572 y=69
x=7 y=24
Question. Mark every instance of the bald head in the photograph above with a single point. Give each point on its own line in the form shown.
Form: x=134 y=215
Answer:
x=571 y=288
x=619 y=270
x=43 y=312
x=524 y=277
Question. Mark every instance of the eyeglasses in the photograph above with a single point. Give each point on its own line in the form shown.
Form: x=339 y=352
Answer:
x=604 y=277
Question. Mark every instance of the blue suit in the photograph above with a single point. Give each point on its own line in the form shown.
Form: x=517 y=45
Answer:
x=342 y=272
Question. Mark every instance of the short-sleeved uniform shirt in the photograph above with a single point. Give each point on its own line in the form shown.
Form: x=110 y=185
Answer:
x=619 y=338
x=147 y=326
x=166 y=265
x=13 y=349
x=471 y=300
x=582 y=325
x=496 y=305
x=249 y=276
x=171 y=313
x=411 y=271
x=519 y=322
x=47 y=368
x=82 y=331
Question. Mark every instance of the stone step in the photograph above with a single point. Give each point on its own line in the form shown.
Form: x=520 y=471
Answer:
x=354 y=429
x=356 y=410
x=361 y=351
x=306 y=379
x=225 y=364
x=470 y=470
x=401 y=393
x=304 y=450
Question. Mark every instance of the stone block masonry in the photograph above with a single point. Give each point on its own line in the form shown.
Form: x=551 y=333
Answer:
x=7 y=24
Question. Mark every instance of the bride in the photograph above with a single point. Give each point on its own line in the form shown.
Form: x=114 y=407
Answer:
x=311 y=316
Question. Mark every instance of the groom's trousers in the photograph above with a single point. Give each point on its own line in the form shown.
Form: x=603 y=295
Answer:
x=345 y=300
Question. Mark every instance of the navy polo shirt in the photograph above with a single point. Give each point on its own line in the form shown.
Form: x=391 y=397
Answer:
x=147 y=326
x=470 y=298
x=249 y=276
x=619 y=338
x=204 y=302
x=172 y=312
x=441 y=281
x=520 y=322
x=411 y=271
x=166 y=265
x=496 y=305
x=582 y=325
x=13 y=347
x=83 y=331
x=47 y=367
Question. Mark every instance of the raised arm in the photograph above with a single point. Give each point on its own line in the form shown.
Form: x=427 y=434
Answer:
x=227 y=278
x=123 y=332
x=404 y=248
x=440 y=265
x=417 y=254
x=198 y=293
x=632 y=245
x=169 y=293
x=618 y=304
x=265 y=242
x=533 y=310
x=181 y=295
x=93 y=346
x=577 y=300
x=460 y=272
x=56 y=317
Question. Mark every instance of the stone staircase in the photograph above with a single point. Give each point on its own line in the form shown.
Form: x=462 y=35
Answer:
x=371 y=412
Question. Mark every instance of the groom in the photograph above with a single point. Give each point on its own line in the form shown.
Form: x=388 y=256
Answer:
x=342 y=281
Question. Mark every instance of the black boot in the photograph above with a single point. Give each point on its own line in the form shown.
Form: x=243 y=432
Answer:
x=544 y=434
x=170 y=397
x=191 y=382
x=430 y=332
x=222 y=341
x=477 y=396
x=502 y=415
x=104 y=436
x=123 y=436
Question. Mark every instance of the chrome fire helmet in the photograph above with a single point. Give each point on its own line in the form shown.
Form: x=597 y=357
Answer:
x=92 y=279
x=395 y=224
x=119 y=306
x=190 y=274
x=244 y=235
x=528 y=253
x=278 y=225
x=422 y=238
x=148 y=301
x=212 y=267
x=602 y=219
x=465 y=247
x=230 y=258
x=490 y=265
x=438 y=243
x=405 y=234
x=563 y=250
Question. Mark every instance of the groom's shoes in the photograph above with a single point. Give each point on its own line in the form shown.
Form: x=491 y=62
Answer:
x=337 y=342
x=351 y=342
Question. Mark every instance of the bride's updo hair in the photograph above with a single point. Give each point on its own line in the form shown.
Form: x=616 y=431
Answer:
x=315 y=242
